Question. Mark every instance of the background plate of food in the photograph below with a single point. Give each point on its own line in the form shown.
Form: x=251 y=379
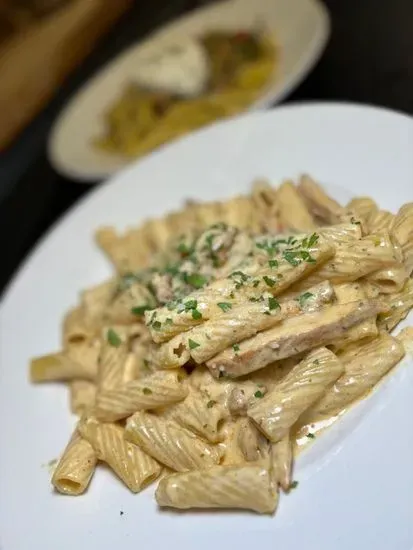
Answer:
x=211 y=64
x=214 y=347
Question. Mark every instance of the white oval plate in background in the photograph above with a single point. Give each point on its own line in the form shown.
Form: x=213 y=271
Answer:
x=301 y=28
x=355 y=482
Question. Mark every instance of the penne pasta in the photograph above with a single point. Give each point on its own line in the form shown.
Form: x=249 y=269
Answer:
x=278 y=411
x=169 y=444
x=293 y=336
x=75 y=467
x=152 y=392
x=220 y=487
x=130 y=463
x=229 y=335
x=364 y=366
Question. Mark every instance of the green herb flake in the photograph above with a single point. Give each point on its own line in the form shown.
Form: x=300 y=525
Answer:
x=192 y=344
x=293 y=485
x=273 y=304
x=147 y=391
x=113 y=338
x=258 y=394
x=184 y=250
x=291 y=257
x=196 y=314
x=225 y=306
x=304 y=297
x=273 y=263
x=354 y=221
x=156 y=325
x=235 y=347
x=241 y=275
x=255 y=283
x=211 y=403
x=168 y=321
x=140 y=310
x=190 y=304
x=311 y=436
x=232 y=295
x=196 y=280
x=313 y=240
x=269 y=281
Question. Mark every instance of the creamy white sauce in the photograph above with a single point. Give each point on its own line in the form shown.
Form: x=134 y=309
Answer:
x=182 y=69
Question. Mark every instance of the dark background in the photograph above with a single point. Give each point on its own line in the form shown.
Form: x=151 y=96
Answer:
x=369 y=59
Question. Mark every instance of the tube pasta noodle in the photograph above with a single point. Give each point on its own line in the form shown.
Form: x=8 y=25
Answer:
x=364 y=366
x=261 y=279
x=130 y=463
x=153 y=392
x=112 y=363
x=280 y=409
x=281 y=462
x=321 y=206
x=82 y=396
x=293 y=211
x=364 y=207
x=220 y=487
x=228 y=331
x=168 y=443
x=398 y=306
x=402 y=230
x=199 y=415
x=351 y=292
x=293 y=336
x=75 y=467
x=379 y=221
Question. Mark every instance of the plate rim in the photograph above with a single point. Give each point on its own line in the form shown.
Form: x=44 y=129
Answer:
x=308 y=60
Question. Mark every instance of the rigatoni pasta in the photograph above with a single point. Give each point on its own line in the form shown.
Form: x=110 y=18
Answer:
x=228 y=330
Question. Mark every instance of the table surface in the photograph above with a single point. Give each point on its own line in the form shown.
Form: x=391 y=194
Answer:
x=368 y=60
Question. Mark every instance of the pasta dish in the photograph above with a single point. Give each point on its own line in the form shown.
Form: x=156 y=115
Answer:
x=186 y=87
x=228 y=335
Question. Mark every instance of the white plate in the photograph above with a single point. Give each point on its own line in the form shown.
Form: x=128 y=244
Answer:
x=301 y=28
x=355 y=483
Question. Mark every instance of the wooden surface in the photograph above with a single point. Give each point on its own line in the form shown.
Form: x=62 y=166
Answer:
x=35 y=61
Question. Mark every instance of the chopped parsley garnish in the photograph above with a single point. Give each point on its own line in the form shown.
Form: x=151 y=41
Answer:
x=269 y=247
x=196 y=314
x=147 y=391
x=241 y=275
x=273 y=263
x=313 y=240
x=255 y=283
x=291 y=257
x=269 y=281
x=190 y=304
x=258 y=394
x=171 y=305
x=192 y=344
x=113 y=338
x=235 y=347
x=156 y=325
x=196 y=280
x=140 y=310
x=304 y=297
x=294 y=485
x=295 y=257
x=354 y=221
x=211 y=403
x=273 y=304
x=311 y=436
x=232 y=295
x=184 y=250
x=168 y=321
x=225 y=306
